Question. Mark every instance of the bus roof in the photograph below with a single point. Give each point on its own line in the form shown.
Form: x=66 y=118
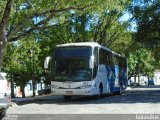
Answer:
x=91 y=44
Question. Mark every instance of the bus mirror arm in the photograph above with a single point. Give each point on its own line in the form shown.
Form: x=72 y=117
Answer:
x=46 y=62
x=91 y=62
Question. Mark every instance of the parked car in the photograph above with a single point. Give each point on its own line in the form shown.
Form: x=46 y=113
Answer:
x=150 y=82
x=134 y=84
x=5 y=95
x=5 y=102
x=2 y=111
x=44 y=91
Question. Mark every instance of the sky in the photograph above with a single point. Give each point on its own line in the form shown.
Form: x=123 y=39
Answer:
x=125 y=18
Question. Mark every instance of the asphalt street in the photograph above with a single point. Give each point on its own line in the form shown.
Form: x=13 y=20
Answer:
x=131 y=104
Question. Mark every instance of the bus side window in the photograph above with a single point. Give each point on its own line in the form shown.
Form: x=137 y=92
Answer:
x=96 y=55
x=102 y=57
x=111 y=59
x=95 y=62
x=115 y=60
x=107 y=56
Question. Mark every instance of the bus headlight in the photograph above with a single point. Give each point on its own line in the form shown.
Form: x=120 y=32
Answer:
x=86 y=86
x=55 y=87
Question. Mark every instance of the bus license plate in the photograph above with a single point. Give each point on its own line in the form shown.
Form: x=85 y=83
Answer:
x=69 y=92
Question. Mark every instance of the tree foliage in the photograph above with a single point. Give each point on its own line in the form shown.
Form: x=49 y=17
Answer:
x=42 y=24
x=19 y=18
x=147 y=16
x=141 y=61
x=19 y=65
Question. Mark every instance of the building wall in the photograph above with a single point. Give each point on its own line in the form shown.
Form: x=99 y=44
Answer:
x=157 y=77
x=144 y=79
x=28 y=89
x=5 y=86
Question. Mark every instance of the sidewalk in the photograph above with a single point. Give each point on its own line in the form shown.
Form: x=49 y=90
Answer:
x=129 y=88
x=42 y=97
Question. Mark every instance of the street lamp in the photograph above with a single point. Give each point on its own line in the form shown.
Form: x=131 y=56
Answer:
x=31 y=56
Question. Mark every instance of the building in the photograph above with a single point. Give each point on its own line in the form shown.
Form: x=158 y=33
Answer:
x=28 y=89
x=157 y=77
x=144 y=79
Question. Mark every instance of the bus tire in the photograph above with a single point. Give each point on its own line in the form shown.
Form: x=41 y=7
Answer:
x=100 y=91
x=120 y=89
x=67 y=98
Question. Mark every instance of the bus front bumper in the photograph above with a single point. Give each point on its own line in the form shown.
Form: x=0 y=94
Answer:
x=71 y=92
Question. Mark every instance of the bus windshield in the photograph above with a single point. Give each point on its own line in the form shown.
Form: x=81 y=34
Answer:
x=72 y=64
x=76 y=52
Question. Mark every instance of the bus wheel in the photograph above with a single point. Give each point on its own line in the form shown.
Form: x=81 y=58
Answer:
x=120 y=90
x=100 y=91
x=67 y=98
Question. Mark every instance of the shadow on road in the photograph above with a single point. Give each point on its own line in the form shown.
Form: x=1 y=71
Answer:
x=151 y=86
x=142 y=94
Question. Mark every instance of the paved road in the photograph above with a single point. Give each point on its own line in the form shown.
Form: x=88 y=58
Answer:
x=143 y=100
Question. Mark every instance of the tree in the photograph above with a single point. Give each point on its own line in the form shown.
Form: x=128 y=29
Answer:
x=106 y=29
x=146 y=14
x=19 y=66
x=141 y=62
x=19 y=18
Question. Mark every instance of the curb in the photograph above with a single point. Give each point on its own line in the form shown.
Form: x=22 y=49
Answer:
x=13 y=104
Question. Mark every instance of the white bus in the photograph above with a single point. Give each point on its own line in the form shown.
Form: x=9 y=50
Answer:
x=86 y=68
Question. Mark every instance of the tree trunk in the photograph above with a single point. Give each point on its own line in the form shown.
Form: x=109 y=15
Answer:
x=138 y=74
x=3 y=24
x=3 y=41
x=33 y=85
x=1 y=55
x=135 y=78
x=23 y=91
x=83 y=26
x=12 y=88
